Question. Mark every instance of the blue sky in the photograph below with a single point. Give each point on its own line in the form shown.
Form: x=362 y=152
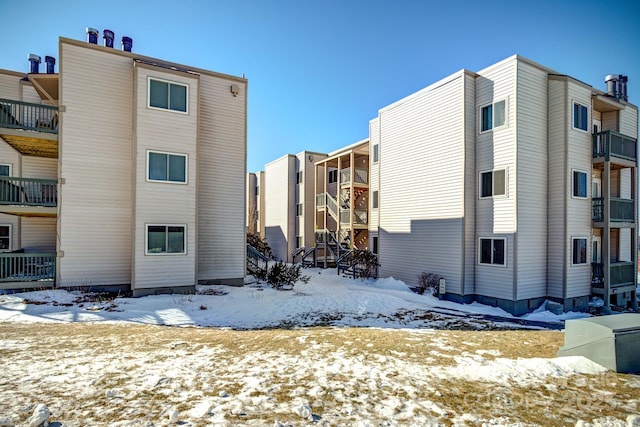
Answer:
x=319 y=70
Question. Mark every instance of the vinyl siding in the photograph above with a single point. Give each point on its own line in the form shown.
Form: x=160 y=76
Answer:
x=38 y=234
x=579 y=158
x=421 y=184
x=10 y=86
x=531 y=182
x=495 y=149
x=9 y=156
x=280 y=205
x=14 y=222
x=374 y=174
x=629 y=122
x=470 y=187
x=306 y=196
x=39 y=167
x=221 y=165
x=95 y=152
x=164 y=203
x=557 y=184
x=610 y=121
x=29 y=94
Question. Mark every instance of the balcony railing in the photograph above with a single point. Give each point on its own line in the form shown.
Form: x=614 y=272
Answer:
x=621 y=210
x=28 y=116
x=27 y=267
x=597 y=209
x=610 y=143
x=28 y=191
x=360 y=176
x=620 y=274
x=320 y=201
x=360 y=217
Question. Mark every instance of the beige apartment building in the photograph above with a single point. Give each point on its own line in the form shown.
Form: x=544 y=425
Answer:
x=121 y=170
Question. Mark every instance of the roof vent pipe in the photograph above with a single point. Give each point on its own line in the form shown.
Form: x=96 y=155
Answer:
x=612 y=85
x=35 y=63
x=127 y=44
x=623 y=92
x=108 y=38
x=92 y=35
x=51 y=62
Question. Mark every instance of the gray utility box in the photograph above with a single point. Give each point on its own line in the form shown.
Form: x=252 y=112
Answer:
x=611 y=341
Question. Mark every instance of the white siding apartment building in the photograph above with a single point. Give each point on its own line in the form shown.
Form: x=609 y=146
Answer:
x=288 y=195
x=121 y=170
x=515 y=183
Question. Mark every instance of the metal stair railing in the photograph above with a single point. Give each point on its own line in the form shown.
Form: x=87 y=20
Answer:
x=256 y=261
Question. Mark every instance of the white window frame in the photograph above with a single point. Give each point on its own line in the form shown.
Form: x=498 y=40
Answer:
x=169 y=82
x=492 y=105
x=375 y=199
x=168 y=181
x=586 y=249
x=375 y=244
x=146 y=240
x=10 y=246
x=573 y=116
x=493 y=195
x=299 y=177
x=492 y=264
x=332 y=173
x=299 y=210
x=10 y=166
x=573 y=184
x=376 y=153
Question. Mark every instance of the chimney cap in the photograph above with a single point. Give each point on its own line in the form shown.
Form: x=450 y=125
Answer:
x=92 y=30
x=612 y=77
x=34 y=57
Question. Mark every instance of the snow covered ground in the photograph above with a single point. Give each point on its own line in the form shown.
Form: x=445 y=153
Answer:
x=419 y=361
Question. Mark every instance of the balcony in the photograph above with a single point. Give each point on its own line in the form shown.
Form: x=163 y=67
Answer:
x=28 y=196
x=360 y=217
x=620 y=210
x=621 y=274
x=17 y=267
x=361 y=176
x=609 y=144
x=32 y=129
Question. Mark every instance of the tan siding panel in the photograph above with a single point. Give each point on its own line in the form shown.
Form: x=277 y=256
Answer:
x=629 y=122
x=95 y=157
x=38 y=234
x=222 y=151
x=280 y=205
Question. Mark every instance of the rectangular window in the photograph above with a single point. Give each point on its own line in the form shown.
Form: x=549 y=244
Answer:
x=579 y=250
x=579 y=184
x=299 y=177
x=374 y=247
x=492 y=251
x=493 y=183
x=5 y=170
x=493 y=116
x=333 y=176
x=298 y=242
x=299 y=209
x=5 y=237
x=580 y=114
x=374 y=200
x=167 y=95
x=167 y=167
x=166 y=239
x=375 y=153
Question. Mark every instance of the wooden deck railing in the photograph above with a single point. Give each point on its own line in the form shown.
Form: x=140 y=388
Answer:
x=27 y=267
x=28 y=191
x=28 y=116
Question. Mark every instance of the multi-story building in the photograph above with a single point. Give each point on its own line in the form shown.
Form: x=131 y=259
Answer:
x=342 y=202
x=121 y=170
x=515 y=183
x=288 y=193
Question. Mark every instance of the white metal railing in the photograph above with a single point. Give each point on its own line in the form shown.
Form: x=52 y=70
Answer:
x=332 y=205
x=360 y=217
x=321 y=201
x=360 y=176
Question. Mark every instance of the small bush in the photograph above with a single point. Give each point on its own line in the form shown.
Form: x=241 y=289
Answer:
x=260 y=244
x=283 y=276
x=366 y=263
x=429 y=282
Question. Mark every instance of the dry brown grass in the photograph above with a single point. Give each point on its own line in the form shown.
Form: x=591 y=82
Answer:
x=559 y=402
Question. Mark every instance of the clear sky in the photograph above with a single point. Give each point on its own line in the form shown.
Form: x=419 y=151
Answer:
x=318 y=71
